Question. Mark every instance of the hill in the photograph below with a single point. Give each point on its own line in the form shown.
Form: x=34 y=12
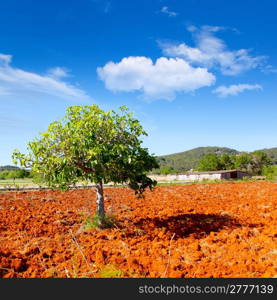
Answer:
x=271 y=153
x=184 y=161
x=8 y=168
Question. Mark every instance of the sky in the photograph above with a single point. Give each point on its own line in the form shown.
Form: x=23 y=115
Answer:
x=195 y=72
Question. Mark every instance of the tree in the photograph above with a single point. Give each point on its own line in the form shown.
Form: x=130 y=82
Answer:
x=252 y=163
x=210 y=162
x=167 y=170
x=243 y=162
x=270 y=172
x=227 y=161
x=259 y=161
x=92 y=145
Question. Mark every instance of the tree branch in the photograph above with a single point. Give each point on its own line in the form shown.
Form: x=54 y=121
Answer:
x=83 y=168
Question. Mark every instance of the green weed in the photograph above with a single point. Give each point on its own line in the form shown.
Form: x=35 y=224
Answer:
x=108 y=221
x=110 y=271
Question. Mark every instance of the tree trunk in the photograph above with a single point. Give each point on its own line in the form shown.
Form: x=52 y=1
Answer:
x=100 y=211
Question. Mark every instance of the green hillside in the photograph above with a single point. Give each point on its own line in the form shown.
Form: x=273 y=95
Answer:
x=271 y=153
x=8 y=168
x=184 y=161
x=187 y=160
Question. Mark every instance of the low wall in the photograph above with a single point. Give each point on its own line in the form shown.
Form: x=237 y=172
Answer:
x=185 y=177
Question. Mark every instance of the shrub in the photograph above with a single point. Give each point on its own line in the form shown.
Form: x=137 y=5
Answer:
x=270 y=172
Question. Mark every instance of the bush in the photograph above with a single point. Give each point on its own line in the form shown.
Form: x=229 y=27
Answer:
x=166 y=171
x=4 y=174
x=270 y=172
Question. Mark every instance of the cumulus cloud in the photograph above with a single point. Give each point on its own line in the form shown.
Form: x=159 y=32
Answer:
x=212 y=52
x=156 y=80
x=235 y=89
x=15 y=81
x=165 y=10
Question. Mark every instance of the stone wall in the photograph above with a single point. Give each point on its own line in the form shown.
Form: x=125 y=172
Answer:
x=185 y=177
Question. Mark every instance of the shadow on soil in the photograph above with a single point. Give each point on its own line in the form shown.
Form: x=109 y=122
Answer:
x=183 y=225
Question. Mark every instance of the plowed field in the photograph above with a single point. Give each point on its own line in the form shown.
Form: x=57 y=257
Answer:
x=209 y=230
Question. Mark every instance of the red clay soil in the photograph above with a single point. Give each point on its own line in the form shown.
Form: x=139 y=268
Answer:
x=209 y=230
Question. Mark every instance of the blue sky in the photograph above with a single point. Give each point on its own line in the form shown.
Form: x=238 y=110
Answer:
x=195 y=72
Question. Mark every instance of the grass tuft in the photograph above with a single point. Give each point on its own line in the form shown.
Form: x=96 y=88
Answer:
x=110 y=271
x=108 y=221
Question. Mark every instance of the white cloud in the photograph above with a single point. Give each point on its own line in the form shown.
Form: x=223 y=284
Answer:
x=16 y=81
x=5 y=59
x=235 y=89
x=159 y=80
x=211 y=51
x=269 y=69
x=58 y=72
x=165 y=10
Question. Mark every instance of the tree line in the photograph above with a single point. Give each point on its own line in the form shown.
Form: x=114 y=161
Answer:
x=255 y=163
x=15 y=174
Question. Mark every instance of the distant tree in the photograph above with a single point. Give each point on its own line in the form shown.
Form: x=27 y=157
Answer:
x=11 y=175
x=14 y=173
x=227 y=161
x=270 y=172
x=259 y=161
x=167 y=170
x=22 y=173
x=4 y=174
x=243 y=162
x=252 y=163
x=92 y=145
x=210 y=162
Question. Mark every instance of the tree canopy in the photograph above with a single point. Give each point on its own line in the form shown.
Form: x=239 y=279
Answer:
x=89 y=144
x=253 y=163
x=210 y=162
x=184 y=161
